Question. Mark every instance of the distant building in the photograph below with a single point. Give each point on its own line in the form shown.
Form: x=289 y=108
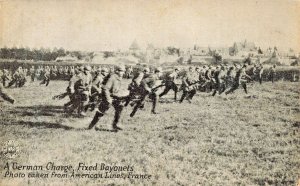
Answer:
x=134 y=47
x=242 y=48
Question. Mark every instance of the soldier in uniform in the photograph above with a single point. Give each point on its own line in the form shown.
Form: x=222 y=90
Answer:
x=112 y=95
x=16 y=78
x=134 y=87
x=240 y=79
x=83 y=90
x=272 y=73
x=46 y=76
x=148 y=88
x=101 y=77
x=5 y=77
x=260 y=72
x=32 y=73
x=189 y=86
x=220 y=77
x=170 y=84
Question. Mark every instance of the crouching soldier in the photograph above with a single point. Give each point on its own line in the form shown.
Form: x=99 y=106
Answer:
x=148 y=88
x=112 y=95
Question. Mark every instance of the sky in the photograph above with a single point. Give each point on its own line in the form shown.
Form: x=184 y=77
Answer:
x=96 y=25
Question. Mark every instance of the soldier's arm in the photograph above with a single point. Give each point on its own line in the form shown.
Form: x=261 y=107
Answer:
x=106 y=90
x=96 y=83
x=138 y=79
x=145 y=82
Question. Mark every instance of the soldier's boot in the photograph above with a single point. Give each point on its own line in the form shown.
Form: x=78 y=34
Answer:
x=154 y=102
x=117 y=117
x=245 y=88
x=214 y=93
x=135 y=108
x=175 y=96
x=95 y=120
x=183 y=96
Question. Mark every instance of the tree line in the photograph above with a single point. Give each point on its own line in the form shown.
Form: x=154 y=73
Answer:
x=42 y=54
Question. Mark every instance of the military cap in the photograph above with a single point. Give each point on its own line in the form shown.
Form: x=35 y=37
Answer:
x=146 y=69
x=120 y=68
x=87 y=67
x=104 y=69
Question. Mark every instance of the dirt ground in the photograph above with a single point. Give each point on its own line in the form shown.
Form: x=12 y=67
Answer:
x=237 y=139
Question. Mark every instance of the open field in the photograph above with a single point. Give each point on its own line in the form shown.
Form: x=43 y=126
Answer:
x=237 y=139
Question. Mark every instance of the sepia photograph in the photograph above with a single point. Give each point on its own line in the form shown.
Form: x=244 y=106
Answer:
x=140 y=92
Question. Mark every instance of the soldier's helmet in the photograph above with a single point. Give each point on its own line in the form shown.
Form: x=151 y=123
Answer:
x=87 y=68
x=104 y=69
x=158 y=69
x=120 y=68
x=146 y=69
x=81 y=68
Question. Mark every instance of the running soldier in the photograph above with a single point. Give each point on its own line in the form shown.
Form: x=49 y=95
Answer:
x=148 y=88
x=100 y=79
x=83 y=90
x=170 y=84
x=189 y=86
x=220 y=77
x=46 y=76
x=272 y=73
x=240 y=79
x=260 y=73
x=112 y=95
x=134 y=87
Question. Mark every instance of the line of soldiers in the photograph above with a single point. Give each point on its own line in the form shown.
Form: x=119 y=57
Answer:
x=105 y=88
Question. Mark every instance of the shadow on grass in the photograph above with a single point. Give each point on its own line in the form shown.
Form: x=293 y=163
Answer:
x=37 y=110
x=43 y=125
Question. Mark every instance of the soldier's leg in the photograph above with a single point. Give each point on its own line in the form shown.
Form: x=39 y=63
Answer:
x=154 y=99
x=244 y=85
x=175 y=89
x=233 y=88
x=215 y=90
x=191 y=94
x=11 y=83
x=166 y=90
x=118 y=110
x=260 y=79
x=47 y=81
x=184 y=94
x=103 y=107
x=222 y=88
x=138 y=105
x=5 y=96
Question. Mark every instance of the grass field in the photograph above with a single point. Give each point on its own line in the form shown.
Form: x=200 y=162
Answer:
x=237 y=139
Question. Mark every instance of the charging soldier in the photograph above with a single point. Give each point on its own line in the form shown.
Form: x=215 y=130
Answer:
x=112 y=95
x=170 y=84
x=83 y=90
x=220 y=77
x=148 y=88
x=189 y=86
x=240 y=79
x=134 y=87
